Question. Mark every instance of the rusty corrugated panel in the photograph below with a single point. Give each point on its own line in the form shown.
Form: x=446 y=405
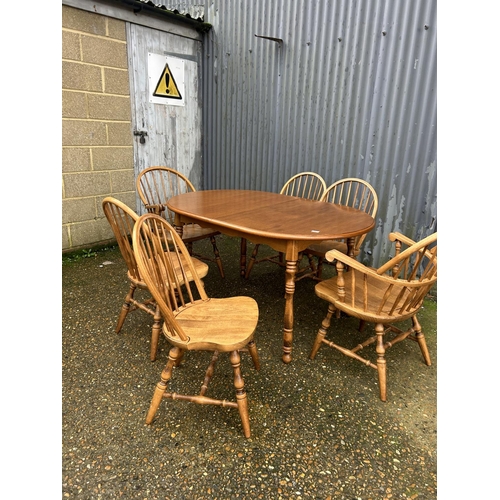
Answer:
x=344 y=88
x=192 y=8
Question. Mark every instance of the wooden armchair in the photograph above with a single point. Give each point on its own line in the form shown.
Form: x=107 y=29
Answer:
x=192 y=320
x=155 y=186
x=122 y=220
x=309 y=185
x=350 y=192
x=390 y=294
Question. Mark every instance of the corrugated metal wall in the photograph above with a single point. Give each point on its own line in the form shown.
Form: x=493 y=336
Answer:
x=347 y=89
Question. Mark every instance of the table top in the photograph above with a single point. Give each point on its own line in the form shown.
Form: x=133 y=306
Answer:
x=272 y=215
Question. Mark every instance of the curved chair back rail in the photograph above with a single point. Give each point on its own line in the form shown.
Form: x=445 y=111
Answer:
x=356 y=193
x=308 y=185
x=156 y=185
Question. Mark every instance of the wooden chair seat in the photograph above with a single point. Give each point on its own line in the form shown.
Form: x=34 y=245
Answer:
x=210 y=325
x=194 y=232
x=122 y=220
x=191 y=320
x=385 y=296
x=372 y=307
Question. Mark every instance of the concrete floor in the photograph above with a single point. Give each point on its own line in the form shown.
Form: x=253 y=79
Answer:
x=318 y=427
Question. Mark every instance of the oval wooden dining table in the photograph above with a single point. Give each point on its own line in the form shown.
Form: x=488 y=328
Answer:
x=287 y=224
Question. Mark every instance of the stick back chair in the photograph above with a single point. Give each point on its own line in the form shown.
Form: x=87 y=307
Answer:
x=122 y=220
x=390 y=294
x=155 y=186
x=308 y=185
x=192 y=320
x=350 y=192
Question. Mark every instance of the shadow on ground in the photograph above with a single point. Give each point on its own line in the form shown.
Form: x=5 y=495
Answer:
x=318 y=427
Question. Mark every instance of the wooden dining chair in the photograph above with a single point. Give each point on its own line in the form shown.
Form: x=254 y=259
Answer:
x=350 y=192
x=192 y=320
x=385 y=296
x=122 y=220
x=308 y=185
x=155 y=186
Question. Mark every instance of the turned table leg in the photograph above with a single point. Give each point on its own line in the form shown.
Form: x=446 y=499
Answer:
x=178 y=225
x=291 y=271
x=350 y=247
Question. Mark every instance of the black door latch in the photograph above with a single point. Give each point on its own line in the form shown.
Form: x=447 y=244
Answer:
x=142 y=134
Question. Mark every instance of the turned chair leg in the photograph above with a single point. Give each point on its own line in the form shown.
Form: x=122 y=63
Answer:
x=180 y=357
x=325 y=324
x=312 y=265
x=421 y=340
x=125 y=308
x=241 y=395
x=252 y=349
x=217 y=256
x=319 y=268
x=251 y=262
x=381 y=362
x=161 y=387
x=155 y=336
x=209 y=373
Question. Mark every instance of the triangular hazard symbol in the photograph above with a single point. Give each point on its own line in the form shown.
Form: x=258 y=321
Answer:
x=166 y=86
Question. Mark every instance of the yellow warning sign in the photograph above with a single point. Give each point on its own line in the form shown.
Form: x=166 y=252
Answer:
x=166 y=86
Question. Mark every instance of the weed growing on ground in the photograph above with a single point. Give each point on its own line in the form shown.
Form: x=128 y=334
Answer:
x=83 y=254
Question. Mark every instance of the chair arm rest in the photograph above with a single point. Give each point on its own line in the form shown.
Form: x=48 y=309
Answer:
x=402 y=238
x=332 y=255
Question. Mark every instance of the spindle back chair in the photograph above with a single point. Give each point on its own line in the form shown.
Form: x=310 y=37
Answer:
x=155 y=186
x=390 y=294
x=122 y=220
x=350 y=192
x=192 y=320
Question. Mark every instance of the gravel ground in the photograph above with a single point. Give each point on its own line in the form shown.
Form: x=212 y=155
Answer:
x=318 y=427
